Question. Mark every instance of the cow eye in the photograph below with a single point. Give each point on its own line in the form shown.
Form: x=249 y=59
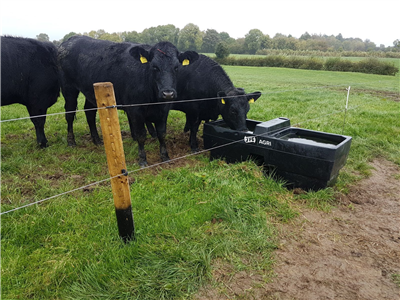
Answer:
x=156 y=69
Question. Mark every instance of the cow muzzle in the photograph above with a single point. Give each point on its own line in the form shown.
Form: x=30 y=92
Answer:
x=168 y=95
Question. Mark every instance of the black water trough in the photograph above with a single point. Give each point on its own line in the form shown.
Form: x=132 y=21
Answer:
x=303 y=158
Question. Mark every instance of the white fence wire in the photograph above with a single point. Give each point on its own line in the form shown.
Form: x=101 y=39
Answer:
x=174 y=159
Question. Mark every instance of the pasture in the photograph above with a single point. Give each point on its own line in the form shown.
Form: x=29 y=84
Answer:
x=191 y=215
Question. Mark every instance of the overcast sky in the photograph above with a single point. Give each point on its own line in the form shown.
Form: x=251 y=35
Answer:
x=376 y=20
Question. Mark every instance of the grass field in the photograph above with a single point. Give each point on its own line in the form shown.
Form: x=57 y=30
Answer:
x=188 y=215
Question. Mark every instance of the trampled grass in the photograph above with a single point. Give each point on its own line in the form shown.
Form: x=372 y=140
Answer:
x=187 y=216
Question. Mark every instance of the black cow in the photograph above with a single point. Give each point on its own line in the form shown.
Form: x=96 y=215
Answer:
x=29 y=76
x=140 y=74
x=204 y=79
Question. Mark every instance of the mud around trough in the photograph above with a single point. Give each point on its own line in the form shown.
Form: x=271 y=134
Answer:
x=352 y=252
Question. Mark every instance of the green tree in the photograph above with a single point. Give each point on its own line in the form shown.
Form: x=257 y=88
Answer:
x=333 y=43
x=161 y=33
x=265 y=42
x=67 y=36
x=222 y=50
x=224 y=36
x=291 y=43
x=113 y=37
x=369 y=46
x=95 y=34
x=358 y=45
x=317 y=45
x=253 y=40
x=190 y=38
x=305 y=36
x=279 y=41
x=131 y=36
x=168 y=33
x=148 y=36
x=43 y=37
x=238 y=47
x=339 y=37
x=210 y=41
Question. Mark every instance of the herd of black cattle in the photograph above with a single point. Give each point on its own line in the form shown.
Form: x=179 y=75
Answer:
x=33 y=72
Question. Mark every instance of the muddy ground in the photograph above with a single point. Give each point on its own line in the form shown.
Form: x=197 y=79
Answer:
x=352 y=252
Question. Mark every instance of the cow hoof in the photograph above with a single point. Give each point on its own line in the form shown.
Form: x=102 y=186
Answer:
x=72 y=144
x=98 y=142
x=43 y=145
x=143 y=164
x=165 y=158
x=195 y=150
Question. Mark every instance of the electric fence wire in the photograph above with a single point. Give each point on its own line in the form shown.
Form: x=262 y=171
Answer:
x=64 y=193
x=162 y=163
x=159 y=103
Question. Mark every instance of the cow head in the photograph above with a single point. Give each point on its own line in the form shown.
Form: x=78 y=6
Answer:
x=163 y=62
x=234 y=107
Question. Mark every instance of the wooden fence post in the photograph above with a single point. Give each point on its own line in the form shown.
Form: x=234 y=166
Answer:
x=110 y=128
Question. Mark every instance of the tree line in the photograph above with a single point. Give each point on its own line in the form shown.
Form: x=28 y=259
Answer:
x=255 y=41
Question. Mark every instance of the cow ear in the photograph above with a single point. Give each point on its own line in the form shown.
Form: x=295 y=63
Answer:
x=253 y=97
x=188 y=57
x=140 y=54
x=221 y=95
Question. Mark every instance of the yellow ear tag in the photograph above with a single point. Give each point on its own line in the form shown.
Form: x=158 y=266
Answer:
x=251 y=101
x=222 y=101
x=185 y=62
x=143 y=59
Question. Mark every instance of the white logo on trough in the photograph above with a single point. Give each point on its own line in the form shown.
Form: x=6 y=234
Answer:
x=249 y=139
x=265 y=142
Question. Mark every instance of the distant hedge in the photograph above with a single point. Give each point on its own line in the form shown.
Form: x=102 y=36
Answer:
x=288 y=52
x=368 y=65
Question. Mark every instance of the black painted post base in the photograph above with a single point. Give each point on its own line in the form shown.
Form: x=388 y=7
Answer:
x=126 y=225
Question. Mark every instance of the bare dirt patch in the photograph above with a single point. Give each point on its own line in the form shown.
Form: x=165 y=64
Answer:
x=385 y=95
x=178 y=150
x=352 y=252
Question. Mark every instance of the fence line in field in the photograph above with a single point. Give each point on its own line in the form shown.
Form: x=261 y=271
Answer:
x=55 y=196
x=158 y=164
x=160 y=103
x=165 y=162
x=125 y=174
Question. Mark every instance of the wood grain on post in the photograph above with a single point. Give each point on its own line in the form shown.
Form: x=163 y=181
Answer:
x=110 y=128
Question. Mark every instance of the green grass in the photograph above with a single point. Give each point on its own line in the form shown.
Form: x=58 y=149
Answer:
x=396 y=279
x=187 y=216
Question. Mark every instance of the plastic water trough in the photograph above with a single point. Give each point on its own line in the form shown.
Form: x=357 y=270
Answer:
x=303 y=158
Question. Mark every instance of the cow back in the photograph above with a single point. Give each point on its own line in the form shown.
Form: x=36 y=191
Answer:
x=85 y=61
x=29 y=72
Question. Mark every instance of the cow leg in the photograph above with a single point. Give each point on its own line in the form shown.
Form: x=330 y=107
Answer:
x=141 y=138
x=187 y=126
x=138 y=132
x=193 y=123
x=131 y=126
x=91 y=120
x=71 y=104
x=39 y=125
x=151 y=129
x=161 y=128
